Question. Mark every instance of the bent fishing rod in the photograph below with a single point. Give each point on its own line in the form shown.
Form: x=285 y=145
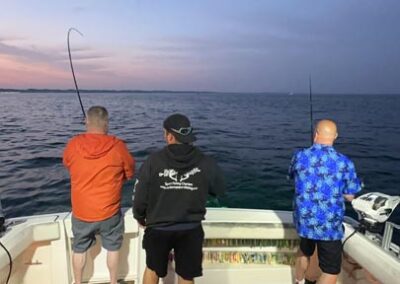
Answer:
x=72 y=69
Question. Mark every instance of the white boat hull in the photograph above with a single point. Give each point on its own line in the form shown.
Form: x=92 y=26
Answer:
x=242 y=246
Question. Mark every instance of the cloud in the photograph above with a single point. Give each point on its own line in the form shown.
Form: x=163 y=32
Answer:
x=56 y=57
x=79 y=9
x=17 y=74
x=31 y=54
x=84 y=54
x=30 y=66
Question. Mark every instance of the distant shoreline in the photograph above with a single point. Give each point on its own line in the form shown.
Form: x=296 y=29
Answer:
x=124 y=91
x=93 y=91
x=31 y=90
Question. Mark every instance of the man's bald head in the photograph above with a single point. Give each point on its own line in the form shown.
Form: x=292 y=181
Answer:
x=97 y=120
x=325 y=132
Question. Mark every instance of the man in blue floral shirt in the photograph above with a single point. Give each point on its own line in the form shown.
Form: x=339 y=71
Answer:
x=324 y=179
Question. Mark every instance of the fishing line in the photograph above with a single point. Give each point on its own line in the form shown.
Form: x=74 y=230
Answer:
x=358 y=229
x=311 y=112
x=72 y=69
x=10 y=262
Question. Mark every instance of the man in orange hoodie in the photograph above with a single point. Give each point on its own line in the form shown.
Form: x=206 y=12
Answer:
x=98 y=164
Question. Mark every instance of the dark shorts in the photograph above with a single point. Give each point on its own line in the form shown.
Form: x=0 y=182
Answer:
x=329 y=253
x=111 y=231
x=187 y=246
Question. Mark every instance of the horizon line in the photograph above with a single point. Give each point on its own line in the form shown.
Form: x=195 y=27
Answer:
x=37 y=90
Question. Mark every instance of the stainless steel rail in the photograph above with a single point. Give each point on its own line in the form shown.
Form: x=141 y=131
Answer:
x=387 y=243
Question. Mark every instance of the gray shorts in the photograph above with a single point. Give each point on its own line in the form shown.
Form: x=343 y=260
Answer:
x=111 y=231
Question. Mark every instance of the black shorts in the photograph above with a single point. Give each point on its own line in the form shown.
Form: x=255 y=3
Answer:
x=329 y=253
x=187 y=246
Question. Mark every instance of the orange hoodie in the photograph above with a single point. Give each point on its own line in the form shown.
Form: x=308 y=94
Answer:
x=98 y=165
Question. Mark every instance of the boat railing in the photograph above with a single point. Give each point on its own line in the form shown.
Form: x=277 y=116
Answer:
x=387 y=243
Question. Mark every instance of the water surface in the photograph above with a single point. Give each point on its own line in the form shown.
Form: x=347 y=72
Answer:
x=252 y=136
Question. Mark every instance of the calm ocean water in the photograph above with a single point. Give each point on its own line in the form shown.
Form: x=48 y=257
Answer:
x=252 y=136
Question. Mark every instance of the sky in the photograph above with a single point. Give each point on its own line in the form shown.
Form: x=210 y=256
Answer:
x=348 y=46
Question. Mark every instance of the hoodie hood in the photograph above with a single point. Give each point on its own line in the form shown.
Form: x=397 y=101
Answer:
x=94 y=146
x=182 y=156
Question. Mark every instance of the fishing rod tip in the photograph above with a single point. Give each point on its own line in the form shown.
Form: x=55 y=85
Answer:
x=74 y=29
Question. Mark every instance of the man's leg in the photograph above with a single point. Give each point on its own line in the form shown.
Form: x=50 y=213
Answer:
x=112 y=264
x=183 y=281
x=330 y=260
x=78 y=263
x=112 y=235
x=157 y=246
x=150 y=276
x=302 y=263
x=83 y=239
x=188 y=252
x=313 y=272
x=306 y=250
x=327 y=278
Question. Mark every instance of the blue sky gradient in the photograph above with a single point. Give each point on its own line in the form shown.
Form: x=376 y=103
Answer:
x=348 y=46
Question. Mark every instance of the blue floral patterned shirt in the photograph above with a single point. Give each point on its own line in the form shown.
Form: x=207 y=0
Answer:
x=321 y=176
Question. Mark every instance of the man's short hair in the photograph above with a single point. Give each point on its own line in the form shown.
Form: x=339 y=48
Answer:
x=98 y=116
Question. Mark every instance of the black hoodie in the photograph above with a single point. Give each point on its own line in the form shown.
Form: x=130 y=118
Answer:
x=173 y=185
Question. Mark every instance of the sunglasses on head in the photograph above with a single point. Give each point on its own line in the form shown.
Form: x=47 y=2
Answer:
x=183 y=130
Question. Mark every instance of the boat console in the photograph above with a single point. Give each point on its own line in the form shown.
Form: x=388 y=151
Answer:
x=374 y=209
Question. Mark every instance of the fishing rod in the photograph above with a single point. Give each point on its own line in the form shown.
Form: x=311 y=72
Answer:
x=72 y=69
x=311 y=112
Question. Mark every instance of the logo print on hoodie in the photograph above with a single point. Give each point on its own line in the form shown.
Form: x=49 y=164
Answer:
x=175 y=184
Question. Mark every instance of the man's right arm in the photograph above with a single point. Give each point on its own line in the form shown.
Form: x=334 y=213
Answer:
x=140 y=193
x=348 y=197
x=217 y=184
x=67 y=155
x=352 y=183
x=127 y=160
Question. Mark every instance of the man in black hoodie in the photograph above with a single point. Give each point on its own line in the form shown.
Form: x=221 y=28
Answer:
x=170 y=198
